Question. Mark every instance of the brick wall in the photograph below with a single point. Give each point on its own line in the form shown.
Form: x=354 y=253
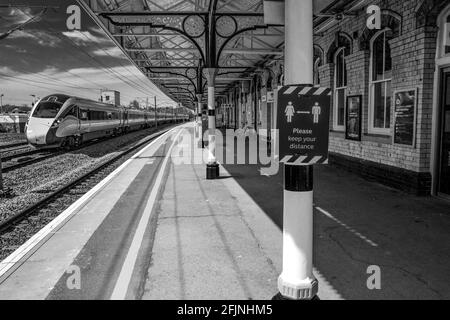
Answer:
x=413 y=54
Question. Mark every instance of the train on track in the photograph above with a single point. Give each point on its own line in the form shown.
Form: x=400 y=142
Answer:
x=60 y=120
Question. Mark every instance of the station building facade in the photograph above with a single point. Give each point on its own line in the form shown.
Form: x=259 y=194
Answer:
x=390 y=113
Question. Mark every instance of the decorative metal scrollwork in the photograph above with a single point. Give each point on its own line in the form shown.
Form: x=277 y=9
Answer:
x=243 y=24
x=191 y=73
x=194 y=26
x=173 y=21
x=226 y=26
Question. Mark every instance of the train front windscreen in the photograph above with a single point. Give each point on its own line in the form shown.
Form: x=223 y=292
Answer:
x=47 y=110
x=49 y=107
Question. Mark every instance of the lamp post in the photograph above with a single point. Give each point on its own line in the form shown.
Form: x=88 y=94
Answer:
x=1 y=102
x=156 y=115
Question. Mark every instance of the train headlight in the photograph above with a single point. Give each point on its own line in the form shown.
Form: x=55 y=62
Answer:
x=56 y=123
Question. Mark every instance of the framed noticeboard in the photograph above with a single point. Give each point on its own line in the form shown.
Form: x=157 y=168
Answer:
x=353 y=118
x=405 y=117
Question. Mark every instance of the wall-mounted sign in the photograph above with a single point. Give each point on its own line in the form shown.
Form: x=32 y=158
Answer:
x=270 y=97
x=353 y=118
x=303 y=123
x=374 y=20
x=405 y=113
x=263 y=98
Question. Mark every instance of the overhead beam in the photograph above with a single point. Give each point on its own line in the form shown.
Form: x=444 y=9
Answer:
x=253 y=51
x=155 y=50
x=185 y=80
x=148 y=34
x=166 y=60
x=175 y=13
x=194 y=50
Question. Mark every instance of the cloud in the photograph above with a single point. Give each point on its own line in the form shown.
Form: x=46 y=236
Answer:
x=95 y=37
x=85 y=38
x=15 y=17
x=18 y=16
x=111 y=52
x=40 y=37
x=17 y=49
x=7 y=71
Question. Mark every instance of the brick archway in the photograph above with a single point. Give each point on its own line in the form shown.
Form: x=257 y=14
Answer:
x=389 y=19
x=427 y=12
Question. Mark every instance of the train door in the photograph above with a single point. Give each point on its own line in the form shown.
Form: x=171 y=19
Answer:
x=444 y=158
x=76 y=113
x=125 y=120
x=84 y=120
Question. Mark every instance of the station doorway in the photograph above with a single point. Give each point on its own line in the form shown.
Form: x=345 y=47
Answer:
x=444 y=154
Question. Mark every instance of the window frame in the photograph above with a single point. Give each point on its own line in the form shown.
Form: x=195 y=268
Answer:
x=317 y=64
x=336 y=90
x=371 y=128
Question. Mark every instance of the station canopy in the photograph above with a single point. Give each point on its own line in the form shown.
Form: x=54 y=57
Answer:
x=172 y=41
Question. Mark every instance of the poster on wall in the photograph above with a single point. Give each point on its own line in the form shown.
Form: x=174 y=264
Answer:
x=405 y=110
x=270 y=97
x=353 y=118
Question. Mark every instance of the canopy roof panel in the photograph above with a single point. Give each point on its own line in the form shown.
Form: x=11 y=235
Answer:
x=171 y=40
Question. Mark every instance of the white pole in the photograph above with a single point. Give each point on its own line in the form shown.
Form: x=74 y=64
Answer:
x=156 y=115
x=211 y=126
x=297 y=280
x=199 y=119
x=212 y=168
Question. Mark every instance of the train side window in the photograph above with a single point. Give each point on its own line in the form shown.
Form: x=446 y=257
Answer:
x=84 y=114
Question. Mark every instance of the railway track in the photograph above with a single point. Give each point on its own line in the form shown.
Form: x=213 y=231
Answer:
x=11 y=157
x=22 y=159
x=13 y=145
x=19 y=160
x=51 y=205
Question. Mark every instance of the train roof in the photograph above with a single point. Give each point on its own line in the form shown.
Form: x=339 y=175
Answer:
x=62 y=98
x=97 y=103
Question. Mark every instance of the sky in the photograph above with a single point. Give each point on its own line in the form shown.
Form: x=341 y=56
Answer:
x=46 y=58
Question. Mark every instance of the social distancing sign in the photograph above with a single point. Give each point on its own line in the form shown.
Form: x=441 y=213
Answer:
x=303 y=124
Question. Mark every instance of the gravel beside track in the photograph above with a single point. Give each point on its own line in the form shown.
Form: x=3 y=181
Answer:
x=33 y=183
x=7 y=152
x=9 y=138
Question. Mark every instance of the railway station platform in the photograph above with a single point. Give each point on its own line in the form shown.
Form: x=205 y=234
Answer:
x=157 y=229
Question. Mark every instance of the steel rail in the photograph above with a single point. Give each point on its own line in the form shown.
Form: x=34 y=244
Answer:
x=6 y=224
x=12 y=145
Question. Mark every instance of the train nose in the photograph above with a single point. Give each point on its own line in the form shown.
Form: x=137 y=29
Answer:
x=37 y=131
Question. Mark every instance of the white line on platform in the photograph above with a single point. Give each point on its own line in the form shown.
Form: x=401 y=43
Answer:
x=359 y=235
x=17 y=257
x=123 y=281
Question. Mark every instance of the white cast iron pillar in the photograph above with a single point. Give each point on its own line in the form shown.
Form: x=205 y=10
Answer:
x=297 y=280
x=198 y=128
x=212 y=168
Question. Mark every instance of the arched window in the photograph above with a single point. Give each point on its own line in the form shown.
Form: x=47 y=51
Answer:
x=340 y=88
x=444 y=34
x=317 y=64
x=380 y=83
x=447 y=36
x=318 y=60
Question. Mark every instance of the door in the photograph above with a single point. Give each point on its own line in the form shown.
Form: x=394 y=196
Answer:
x=444 y=168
